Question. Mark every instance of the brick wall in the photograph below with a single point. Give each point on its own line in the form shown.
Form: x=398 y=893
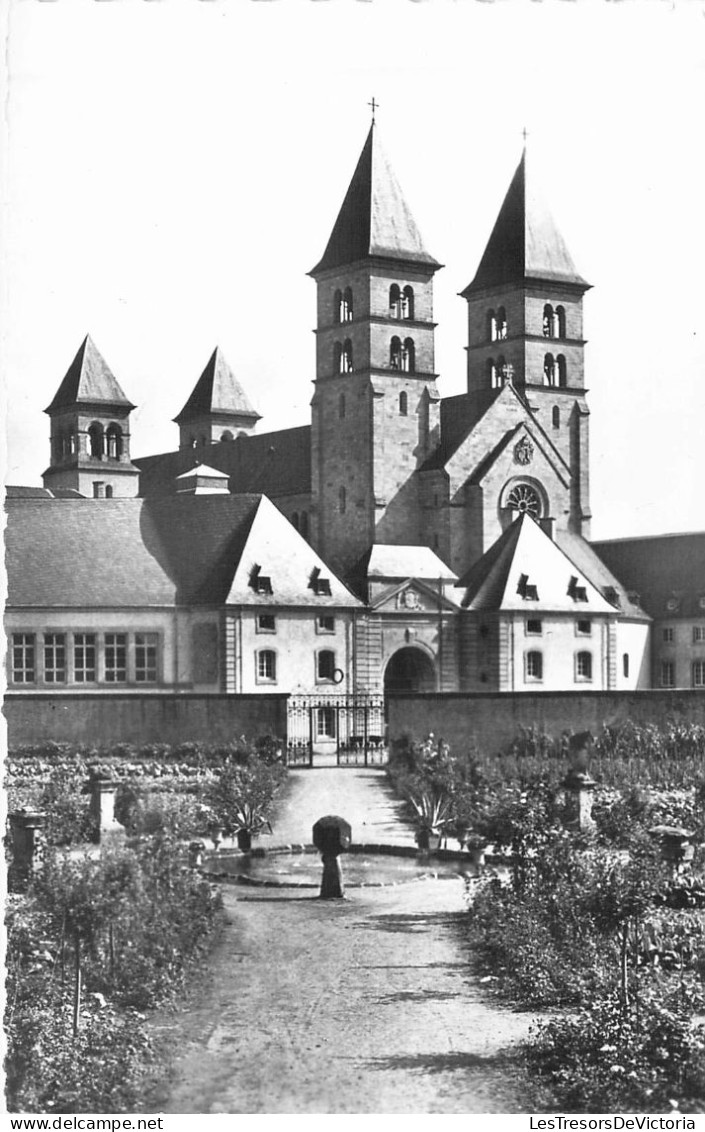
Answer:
x=105 y=720
x=491 y=721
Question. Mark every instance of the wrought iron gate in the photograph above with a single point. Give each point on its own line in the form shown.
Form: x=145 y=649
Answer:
x=349 y=730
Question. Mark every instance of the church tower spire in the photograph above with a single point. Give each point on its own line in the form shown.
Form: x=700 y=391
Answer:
x=525 y=326
x=375 y=407
x=90 y=430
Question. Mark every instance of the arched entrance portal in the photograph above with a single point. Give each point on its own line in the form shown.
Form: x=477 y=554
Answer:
x=410 y=670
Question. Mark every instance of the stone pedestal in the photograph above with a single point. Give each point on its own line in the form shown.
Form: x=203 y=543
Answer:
x=579 y=788
x=332 y=835
x=102 y=791
x=332 y=882
x=26 y=827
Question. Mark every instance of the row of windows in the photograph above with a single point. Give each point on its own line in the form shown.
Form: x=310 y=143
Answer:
x=555 y=371
x=533 y=627
x=668 y=674
x=534 y=665
x=402 y=355
x=326 y=670
x=698 y=635
x=262 y=583
x=85 y=658
x=401 y=303
x=267 y=623
x=553 y=323
x=102 y=442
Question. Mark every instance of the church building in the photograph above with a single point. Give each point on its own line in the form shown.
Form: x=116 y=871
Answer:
x=446 y=537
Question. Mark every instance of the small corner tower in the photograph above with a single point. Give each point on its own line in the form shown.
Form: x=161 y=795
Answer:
x=218 y=409
x=375 y=410
x=90 y=431
x=525 y=327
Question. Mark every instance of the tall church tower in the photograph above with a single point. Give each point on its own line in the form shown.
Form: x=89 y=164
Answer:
x=525 y=327
x=90 y=431
x=375 y=409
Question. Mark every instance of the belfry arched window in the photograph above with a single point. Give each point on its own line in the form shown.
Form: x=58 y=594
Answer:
x=492 y=373
x=408 y=356
x=492 y=326
x=346 y=358
x=562 y=370
x=407 y=303
x=560 y=322
x=395 y=352
x=548 y=321
x=95 y=440
x=113 y=441
x=501 y=323
x=394 y=301
x=338 y=357
x=345 y=305
x=403 y=404
x=549 y=370
x=338 y=305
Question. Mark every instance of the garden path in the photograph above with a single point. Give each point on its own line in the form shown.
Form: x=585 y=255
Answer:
x=361 y=1005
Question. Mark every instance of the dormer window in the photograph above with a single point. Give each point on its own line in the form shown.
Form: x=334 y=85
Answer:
x=611 y=595
x=576 y=591
x=526 y=589
x=319 y=585
x=259 y=582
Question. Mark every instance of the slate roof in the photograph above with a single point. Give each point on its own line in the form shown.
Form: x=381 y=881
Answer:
x=374 y=219
x=217 y=391
x=525 y=242
x=387 y=561
x=21 y=492
x=660 y=568
x=88 y=380
x=190 y=550
x=524 y=550
x=273 y=463
x=587 y=559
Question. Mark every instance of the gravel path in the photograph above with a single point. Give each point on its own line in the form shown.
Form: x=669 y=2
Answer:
x=361 y=1005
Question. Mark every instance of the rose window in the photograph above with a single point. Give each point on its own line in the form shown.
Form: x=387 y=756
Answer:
x=524 y=499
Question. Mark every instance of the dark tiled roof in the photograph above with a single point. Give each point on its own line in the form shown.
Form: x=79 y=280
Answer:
x=374 y=219
x=525 y=242
x=20 y=492
x=661 y=569
x=459 y=415
x=89 y=380
x=273 y=463
x=124 y=552
x=598 y=569
x=217 y=391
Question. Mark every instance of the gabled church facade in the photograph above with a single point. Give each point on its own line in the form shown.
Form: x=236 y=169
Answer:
x=455 y=530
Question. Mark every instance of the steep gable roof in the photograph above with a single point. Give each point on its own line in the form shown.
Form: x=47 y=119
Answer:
x=273 y=463
x=525 y=242
x=523 y=555
x=375 y=219
x=217 y=391
x=88 y=380
x=390 y=561
x=662 y=569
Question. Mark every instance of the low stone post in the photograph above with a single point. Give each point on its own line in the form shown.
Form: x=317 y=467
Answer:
x=332 y=836
x=102 y=791
x=26 y=827
x=579 y=787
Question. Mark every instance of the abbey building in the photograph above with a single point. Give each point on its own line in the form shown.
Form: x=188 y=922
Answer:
x=401 y=541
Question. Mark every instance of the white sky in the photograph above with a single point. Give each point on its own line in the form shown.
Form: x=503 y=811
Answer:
x=174 y=169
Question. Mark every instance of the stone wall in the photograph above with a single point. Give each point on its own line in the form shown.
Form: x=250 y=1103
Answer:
x=105 y=720
x=491 y=721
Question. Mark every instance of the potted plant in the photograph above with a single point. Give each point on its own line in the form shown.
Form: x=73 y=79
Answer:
x=432 y=813
x=248 y=820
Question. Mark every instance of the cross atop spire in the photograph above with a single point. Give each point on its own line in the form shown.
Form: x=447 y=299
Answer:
x=375 y=106
x=524 y=134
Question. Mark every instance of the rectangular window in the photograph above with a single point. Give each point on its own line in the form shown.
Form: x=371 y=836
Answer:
x=266 y=665
x=325 y=722
x=583 y=666
x=266 y=623
x=534 y=627
x=54 y=658
x=698 y=634
x=116 y=658
x=668 y=674
x=534 y=666
x=146 y=657
x=84 y=658
x=699 y=674
x=583 y=628
x=325 y=668
x=668 y=636
x=23 y=658
x=325 y=624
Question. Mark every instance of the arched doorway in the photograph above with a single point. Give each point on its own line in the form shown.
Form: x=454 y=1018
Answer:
x=410 y=670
